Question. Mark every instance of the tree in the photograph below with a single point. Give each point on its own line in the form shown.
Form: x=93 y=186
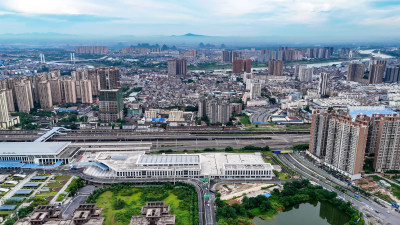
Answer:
x=265 y=205
x=228 y=149
x=272 y=101
x=118 y=204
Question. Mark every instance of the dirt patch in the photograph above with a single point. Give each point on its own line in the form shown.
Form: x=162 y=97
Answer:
x=235 y=191
x=57 y=189
x=238 y=201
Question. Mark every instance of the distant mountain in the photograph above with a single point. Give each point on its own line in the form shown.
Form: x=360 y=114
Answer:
x=189 y=35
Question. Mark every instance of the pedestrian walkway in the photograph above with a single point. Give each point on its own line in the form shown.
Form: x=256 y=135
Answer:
x=62 y=190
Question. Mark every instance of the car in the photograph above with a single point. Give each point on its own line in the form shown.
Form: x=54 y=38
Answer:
x=356 y=196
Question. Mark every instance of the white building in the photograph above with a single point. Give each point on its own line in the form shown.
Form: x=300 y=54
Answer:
x=255 y=90
x=213 y=165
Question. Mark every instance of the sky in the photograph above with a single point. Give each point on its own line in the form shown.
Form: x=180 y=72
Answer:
x=288 y=18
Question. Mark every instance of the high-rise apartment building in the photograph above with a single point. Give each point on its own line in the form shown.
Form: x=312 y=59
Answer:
x=9 y=99
x=23 y=93
x=95 y=50
x=191 y=53
x=4 y=116
x=177 y=67
x=323 y=84
x=275 y=67
x=255 y=90
x=113 y=78
x=102 y=76
x=68 y=89
x=376 y=73
x=86 y=91
x=108 y=78
x=111 y=105
x=237 y=66
x=93 y=76
x=355 y=72
x=6 y=120
x=306 y=74
x=346 y=143
x=247 y=66
x=387 y=149
x=45 y=97
x=56 y=94
x=319 y=134
x=217 y=110
x=226 y=56
x=392 y=74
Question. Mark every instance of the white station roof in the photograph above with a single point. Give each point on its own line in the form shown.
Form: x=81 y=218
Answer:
x=32 y=148
x=168 y=159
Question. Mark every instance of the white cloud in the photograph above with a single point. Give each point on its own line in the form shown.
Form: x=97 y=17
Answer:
x=255 y=13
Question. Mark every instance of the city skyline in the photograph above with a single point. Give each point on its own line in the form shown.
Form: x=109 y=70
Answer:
x=295 y=20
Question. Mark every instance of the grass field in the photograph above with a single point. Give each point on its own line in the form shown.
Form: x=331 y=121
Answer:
x=63 y=177
x=245 y=120
x=133 y=206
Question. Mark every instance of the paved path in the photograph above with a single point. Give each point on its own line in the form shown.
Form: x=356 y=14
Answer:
x=41 y=186
x=17 y=187
x=62 y=190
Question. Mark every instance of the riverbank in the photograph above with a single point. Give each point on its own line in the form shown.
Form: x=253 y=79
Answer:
x=266 y=208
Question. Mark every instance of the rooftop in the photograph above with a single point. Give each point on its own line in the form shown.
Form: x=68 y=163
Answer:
x=32 y=148
x=168 y=159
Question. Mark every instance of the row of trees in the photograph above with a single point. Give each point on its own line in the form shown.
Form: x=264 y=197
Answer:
x=75 y=185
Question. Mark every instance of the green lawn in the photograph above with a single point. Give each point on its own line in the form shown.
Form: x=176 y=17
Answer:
x=6 y=212
x=62 y=177
x=133 y=206
x=245 y=120
x=47 y=194
x=284 y=176
x=54 y=184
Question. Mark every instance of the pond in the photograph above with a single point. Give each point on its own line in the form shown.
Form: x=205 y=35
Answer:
x=318 y=213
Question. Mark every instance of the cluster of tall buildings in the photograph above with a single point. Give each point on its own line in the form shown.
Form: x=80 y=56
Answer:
x=377 y=72
x=217 y=110
x=292 y=54
x=240 y=66
x=177 y=67
x=140 y=50
x=319 y=53
x=94 y=50
x=275 y=67
x=229 y=56
x=392 y=74
x=48 y=89
x=341 y=142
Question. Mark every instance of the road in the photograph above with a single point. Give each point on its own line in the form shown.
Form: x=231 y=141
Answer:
x=383 y=214
x=80 y=197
